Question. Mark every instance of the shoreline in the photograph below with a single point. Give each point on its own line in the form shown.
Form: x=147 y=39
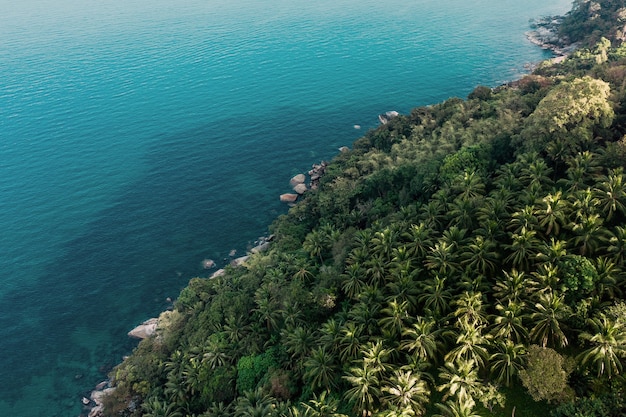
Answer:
x=544 y=34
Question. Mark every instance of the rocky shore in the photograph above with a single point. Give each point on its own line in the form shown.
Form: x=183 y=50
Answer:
x=545 y=34
x=298 y=182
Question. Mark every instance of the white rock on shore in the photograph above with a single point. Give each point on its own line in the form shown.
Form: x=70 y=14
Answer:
x=288 y=198
x=300 y=189
x=145 y=329
x=297 y=179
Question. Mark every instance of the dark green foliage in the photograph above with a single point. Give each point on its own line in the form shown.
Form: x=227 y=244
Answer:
x=251 y=370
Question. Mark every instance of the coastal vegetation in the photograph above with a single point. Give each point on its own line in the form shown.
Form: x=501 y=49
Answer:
x=466 y=259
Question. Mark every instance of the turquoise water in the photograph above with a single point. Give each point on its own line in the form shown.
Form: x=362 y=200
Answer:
x=139 y=137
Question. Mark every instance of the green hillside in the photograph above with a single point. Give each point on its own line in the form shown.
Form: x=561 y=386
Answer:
x=466 y=259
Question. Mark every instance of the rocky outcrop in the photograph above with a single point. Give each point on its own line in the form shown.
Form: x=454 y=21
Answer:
x=218 y=273
x=297 y=179
x=288 y=198
x=145 y=329
x=545 y=34
x=300 y=189
x=317 y=172
x=208 y=263
x=387 y=116
x=239 y=261
x=97 y=397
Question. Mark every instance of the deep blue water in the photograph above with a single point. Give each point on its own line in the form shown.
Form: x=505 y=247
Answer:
x=139 y=137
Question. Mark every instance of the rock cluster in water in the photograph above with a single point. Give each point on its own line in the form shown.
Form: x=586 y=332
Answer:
x=298 y=182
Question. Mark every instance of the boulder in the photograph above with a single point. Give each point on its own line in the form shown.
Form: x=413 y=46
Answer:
x=97 y=396
x=144 y=330
x=239 y=261
x=387 y=116
x=97 y=411
x=102 y=385
x=260 y=248
x=300 y=189
x=297 y=179
x=218 y=273
x=208 y=263
x=344 y=149
x=288 y=198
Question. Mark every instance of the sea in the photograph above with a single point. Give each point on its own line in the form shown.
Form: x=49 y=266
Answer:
x=141 y=137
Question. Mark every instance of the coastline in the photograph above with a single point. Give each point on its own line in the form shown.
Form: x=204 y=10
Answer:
x=545 y=35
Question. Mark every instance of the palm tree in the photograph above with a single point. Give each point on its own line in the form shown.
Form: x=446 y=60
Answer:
x=552 y=213
x=463 y=213
x=617 y=244
x=385 y=241
x=267 y=309
x=315 y=244
x=320 y=369
x=546 y=277
x=470 y=308
x=508 y=324
x=514 y=286
x=480 y=256
x=553 y=251
x=537 y=172
x=394 y=317
x=365 y=390
x=322 y=406
x=435 y=297
x=376 y=356
x=216 y=354
x=459 y=380
x=608 y=346
x=353 y=280
x=457 y=409
x=331 y=334
x=419 y=239
x=403 y=288
x=421 y=339
x=441 y=258
x=611 y=193
x=350 y=342
x=218 y=410
x=523 y=248
x=376 y=271
x=406 y=390
x=507 y=361
x=366 y=315
x=608 y=283
x=298 y=343
x=590 y=233
x=433 y=214
x=470 y=344
x=254 y=404
x=549 y=312
x=153 y=407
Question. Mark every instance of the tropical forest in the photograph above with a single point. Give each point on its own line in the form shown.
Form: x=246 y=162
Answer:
x=466 y=259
